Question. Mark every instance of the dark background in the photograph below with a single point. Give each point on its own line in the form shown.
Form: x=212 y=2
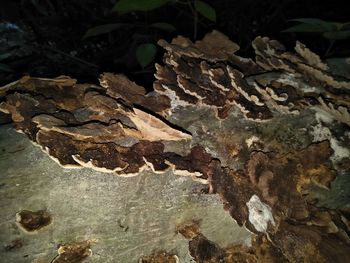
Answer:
x=50 y=36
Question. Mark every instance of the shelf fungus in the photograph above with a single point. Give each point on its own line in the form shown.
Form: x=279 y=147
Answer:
x=80 y=125
x=282 y=121
x=192 y=75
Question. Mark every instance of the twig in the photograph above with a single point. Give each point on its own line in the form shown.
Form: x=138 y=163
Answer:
x=143 y=71
x=195 y=25
x=331 y=43
x=195 y=18
x=70 y=56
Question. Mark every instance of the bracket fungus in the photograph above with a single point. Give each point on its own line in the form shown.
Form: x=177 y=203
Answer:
x=274 y=185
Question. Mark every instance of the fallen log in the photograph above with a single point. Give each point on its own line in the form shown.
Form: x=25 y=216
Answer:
x=266 y=135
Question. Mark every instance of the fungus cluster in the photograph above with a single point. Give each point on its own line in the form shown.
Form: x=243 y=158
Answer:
x=118 y=127
x=208 y=73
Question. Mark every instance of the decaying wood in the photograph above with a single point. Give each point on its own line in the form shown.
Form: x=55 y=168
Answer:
x=262 y=134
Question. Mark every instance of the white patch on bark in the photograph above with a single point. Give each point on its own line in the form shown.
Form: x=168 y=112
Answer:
x=321 y=133
x=251 y=140
x=260 y=214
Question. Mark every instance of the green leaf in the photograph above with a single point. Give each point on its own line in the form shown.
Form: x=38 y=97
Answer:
x=314 y=22
x=5 y=55
x=205 y=10
x=306 y=28
x=337 y=26
x=337 y=35
x=310 y=21
x=103 y=29
x=145 y=54
x=127 y=6
x=164 y=26
x=329 y=30
x=345 y=26
x=6 y=68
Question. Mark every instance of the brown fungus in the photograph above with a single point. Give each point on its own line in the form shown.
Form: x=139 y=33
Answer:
x=159 y=257
x=204 y=250
x=33 y=221
x=266 y=183
x=73 y=252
